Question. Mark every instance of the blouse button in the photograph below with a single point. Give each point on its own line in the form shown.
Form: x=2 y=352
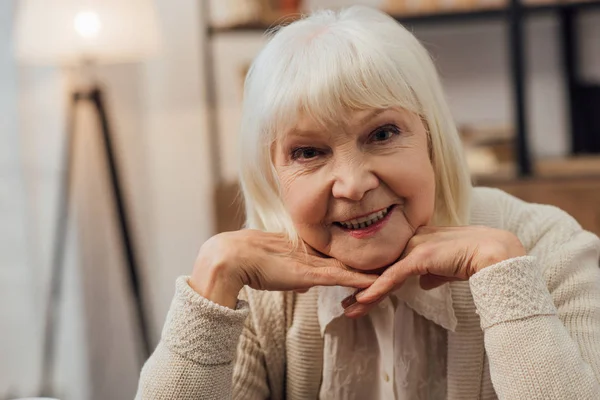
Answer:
x=386 y=377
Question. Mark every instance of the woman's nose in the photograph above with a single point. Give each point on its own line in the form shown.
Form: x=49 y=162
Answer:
x=353 y=180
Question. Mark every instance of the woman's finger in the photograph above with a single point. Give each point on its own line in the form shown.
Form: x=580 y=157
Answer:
x=343 y=277
x=350 y=300
x=336 y=276
x=357 y=310
x=392 y=278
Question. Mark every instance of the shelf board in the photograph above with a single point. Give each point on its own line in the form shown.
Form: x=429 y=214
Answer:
x=437 y=17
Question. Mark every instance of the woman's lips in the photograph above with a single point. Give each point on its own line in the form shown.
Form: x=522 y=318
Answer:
x=362 y=233
x=366 y=215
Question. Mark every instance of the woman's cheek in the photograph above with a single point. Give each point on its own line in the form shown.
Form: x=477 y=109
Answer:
x=413 y=181
x=302 y=198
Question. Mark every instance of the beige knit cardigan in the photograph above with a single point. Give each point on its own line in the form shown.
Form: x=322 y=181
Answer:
x=528 y=328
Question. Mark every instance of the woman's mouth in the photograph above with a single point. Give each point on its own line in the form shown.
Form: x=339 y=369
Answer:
x=368 y=224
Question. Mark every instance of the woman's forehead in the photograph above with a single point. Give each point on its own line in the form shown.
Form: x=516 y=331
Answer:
x=307 y=125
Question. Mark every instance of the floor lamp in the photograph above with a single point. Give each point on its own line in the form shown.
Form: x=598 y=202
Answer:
x=65 y=32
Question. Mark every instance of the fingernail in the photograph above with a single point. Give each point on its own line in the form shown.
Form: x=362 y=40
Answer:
x=351 y=308
x=360 y=295
x=348 y=301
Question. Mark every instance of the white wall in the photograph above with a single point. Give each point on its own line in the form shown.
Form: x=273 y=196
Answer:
x=156 y=111
x=174 y=123
x=42 y=103
x=15 y=262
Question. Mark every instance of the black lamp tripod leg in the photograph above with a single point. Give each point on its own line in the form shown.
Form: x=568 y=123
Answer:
x=57 y=269
x=131 y=261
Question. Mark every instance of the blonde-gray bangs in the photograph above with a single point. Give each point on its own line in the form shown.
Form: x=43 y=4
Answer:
x=329 y=75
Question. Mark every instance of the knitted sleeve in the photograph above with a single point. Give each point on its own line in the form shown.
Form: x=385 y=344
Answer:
x=196 y=356
x=541 y=313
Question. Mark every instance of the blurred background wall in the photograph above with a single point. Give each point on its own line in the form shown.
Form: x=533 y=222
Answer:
x=159 y=116
x=157 y=112
x=14 y=274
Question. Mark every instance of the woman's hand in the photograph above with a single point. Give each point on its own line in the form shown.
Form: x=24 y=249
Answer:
x=439 y=255
x=264 y=261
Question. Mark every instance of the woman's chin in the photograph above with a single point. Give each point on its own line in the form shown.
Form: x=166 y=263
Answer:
x=372 y=264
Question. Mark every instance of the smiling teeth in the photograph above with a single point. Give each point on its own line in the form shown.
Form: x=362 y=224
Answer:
x=363 y=222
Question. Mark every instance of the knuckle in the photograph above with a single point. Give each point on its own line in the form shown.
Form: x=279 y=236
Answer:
x=297 y=268
x=306 y=277
x=311 y=276
x=333 y=273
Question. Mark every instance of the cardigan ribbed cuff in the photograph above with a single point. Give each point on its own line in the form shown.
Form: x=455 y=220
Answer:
x=200 y=330
x=509 y=290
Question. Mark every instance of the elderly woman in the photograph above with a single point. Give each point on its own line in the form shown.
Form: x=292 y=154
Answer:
x=371 y=269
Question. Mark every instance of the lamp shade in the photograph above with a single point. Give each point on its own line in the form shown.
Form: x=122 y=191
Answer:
x=101 y=31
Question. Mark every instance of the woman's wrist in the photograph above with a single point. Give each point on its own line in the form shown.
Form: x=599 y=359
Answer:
x=214 y=279
x=214 y=289
x=509 y=246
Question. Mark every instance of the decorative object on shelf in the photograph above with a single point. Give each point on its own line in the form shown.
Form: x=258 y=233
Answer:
x=310 y=5
x=278 y=11
x=413 y=7
x=81 y=34
x=289 y=6
x=488 y=149
x=226 y=13
x=408 y=7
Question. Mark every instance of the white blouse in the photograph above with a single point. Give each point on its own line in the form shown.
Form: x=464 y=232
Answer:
x=398 y=351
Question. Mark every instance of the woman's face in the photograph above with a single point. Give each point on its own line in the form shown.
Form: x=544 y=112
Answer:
x=358 y=191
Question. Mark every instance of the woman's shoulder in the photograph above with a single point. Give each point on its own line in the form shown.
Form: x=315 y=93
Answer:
x=497 y=207
x=535 y=224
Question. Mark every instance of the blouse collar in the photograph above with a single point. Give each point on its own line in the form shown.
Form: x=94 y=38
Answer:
x=434 y=304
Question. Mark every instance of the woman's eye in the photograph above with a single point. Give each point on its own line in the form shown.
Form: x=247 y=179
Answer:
x=305 y=153
x=384 y=133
